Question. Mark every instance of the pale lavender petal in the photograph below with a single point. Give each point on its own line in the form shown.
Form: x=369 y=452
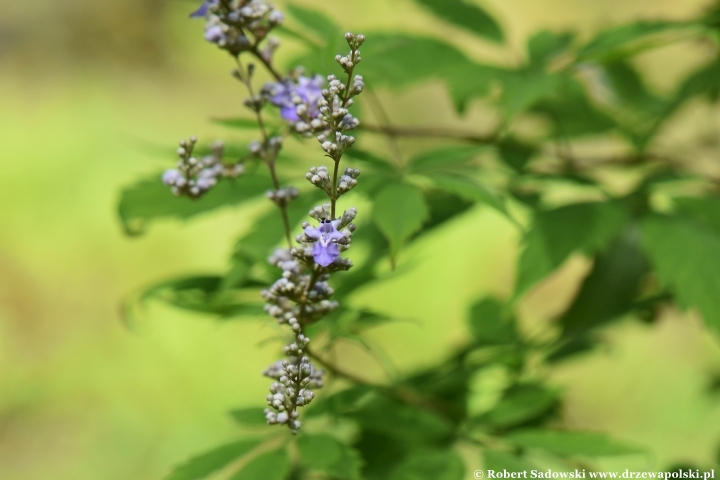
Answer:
x=325 y=255
x=313 y=233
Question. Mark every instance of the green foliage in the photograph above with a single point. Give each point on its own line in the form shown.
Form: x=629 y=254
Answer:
x=465 y=15
x=686 y=256
x=399 y=211
x=568 y=443
x=208 y=463
x=498 y=460
x=489 y=325
x=430 y=465
x=149 y=200
x=249 y=417
x=272 y=465
x=520 y=404
x=323 y=453
x=625 y=40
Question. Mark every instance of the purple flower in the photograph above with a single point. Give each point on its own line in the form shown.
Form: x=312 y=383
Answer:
x=204 y=8
x=214 y=34
x=325 y=250
x=283 y=94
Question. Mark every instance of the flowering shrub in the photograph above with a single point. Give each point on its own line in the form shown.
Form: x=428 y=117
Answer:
x=650 y=246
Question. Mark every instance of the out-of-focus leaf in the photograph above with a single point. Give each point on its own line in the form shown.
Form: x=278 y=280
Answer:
x=686 y=256
x=467 y=188
x=150 y=199
x=499 y=461
x=444 y=159
x=377 y=163
x=339 y=403
x=273 y=465
x=704 y=81
x=399 y=61
x=323 y=453
x=212 y=461
x=515 y=154
x=489 y=324
x=555 y=234
x=465 y=15
x=249 y=417
x=237 y=123
x=566 y=443
x=706 y=210
x=624 y=40
x=399 y=211
x=380 y=453
x=201 y=294
x=571 y=112
x=403 y=422
x=442 y=208
x=612 y=287
x=520 y=404
x=316 y=21
x=546 y=45
x=523 y=89
x=430 y=465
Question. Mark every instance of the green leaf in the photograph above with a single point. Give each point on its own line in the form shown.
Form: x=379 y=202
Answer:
x=524 y=89
x=555 y=234
x=430 y=465
x=625 y=40
x=515 y=154
x=488 y=323
x=705 y=210
x=339 y=403
x=399 y=61
x=546 y=45
x=468 y=189
x=150 y=200
x=465 y=15
x=444 y=159
x=250 y=417
x=323 y=453
x=686 y=257
x=399 y=211
x=314 y=20
x=377 y=163
x=611 y=289
x=520 y=404
x=273 y=465
x=210 y=462
x=237 y=123
x=403 y=422
x=498 y=461
x=566 y=443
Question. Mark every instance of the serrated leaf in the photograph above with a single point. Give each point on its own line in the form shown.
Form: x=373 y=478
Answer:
x=150 y=200
x=249 y=417
x=568 y=443
x=468 y=16
x=212 y=461
x=323 y=453
x=499 y=461
x=273 y=465
x=430 y=465
x=624 y=40
x=399 y=211
x=444 y=159
x=555 y=234
x=686 y=257
x=489 y=324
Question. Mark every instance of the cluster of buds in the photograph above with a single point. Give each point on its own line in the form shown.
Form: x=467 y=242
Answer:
x=298 y=97
x=296 y=377
x=282 y=196
x=230 y=21
x=268 y=151
x=320 y=177
x=195 y=176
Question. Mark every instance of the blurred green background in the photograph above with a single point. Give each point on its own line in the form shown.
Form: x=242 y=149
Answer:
x=91 y=91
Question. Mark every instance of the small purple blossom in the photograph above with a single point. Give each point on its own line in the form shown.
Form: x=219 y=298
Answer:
x=288 y=95
x=204 y=9
x=325 y=250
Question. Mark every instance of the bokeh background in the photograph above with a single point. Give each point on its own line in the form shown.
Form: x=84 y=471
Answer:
x=92 y=93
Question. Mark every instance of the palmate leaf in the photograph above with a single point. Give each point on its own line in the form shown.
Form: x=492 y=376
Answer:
x=399 y=211
x=272 y=465
x=430 y=464
x=325 y=454
x=150 y=200
x=468 y=16
x=208 y=463
x=567 y=443
x=686 y=257
x=555 y=234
